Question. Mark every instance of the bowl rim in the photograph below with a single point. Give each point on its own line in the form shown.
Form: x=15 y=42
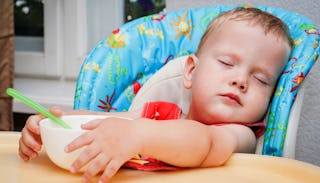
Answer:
x=45 y=120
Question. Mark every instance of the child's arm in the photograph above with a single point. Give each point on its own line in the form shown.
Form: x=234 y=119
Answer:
x=187 y=143
x=184 y=143
x=30 y=142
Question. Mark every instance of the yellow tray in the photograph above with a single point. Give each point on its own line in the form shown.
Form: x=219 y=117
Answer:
x=241 y=168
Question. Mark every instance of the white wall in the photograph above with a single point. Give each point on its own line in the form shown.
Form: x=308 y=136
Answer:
x=308 y=8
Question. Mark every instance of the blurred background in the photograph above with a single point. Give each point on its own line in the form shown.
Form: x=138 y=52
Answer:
x=49 y=41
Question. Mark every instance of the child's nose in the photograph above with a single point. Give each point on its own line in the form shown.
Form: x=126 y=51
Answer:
x=240 y=83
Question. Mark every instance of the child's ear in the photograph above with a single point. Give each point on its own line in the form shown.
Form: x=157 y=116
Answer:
x=189 y=68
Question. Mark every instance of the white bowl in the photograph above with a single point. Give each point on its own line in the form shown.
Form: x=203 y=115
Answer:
x=55 y=138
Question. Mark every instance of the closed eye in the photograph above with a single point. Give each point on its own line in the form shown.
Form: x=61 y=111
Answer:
x=225 y=63
x=261 y=80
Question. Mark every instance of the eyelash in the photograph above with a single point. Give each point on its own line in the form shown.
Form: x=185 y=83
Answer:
x=225 y=63
x=261 y=81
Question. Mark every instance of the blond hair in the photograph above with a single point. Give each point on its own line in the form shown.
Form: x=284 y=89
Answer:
x=267 y=21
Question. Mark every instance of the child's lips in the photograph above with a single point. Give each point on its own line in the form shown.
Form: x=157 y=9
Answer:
x=232 y=97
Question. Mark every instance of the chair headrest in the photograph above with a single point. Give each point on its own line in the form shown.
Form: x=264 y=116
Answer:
x=121 y=63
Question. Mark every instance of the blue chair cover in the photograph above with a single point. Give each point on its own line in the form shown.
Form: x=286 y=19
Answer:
x=121 y=63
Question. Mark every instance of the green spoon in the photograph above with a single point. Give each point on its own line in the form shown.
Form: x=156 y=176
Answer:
x=14 y=93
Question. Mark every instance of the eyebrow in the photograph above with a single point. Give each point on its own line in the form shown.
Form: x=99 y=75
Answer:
x=232 y=55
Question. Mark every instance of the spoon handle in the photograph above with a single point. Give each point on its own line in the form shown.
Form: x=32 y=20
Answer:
x=36 y=106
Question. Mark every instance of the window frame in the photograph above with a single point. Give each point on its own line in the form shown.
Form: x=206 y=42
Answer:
x=66 y=37
x=65 y=48
x=46 y=63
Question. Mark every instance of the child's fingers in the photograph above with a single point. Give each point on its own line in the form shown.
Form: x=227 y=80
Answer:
x=23 y=156
x=111 y=169
x=84 y=139
x=32 y=124
x=91 y=124
x=26 y=152
x=30 y=140
x=56 y=111
x=87 y=155
x=96 y=165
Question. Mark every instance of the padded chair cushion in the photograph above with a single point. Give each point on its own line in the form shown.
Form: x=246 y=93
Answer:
x=121 y=63
x=165 y=85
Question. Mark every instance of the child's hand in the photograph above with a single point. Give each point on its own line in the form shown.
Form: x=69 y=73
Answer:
x=30 y=141
x=110 y=143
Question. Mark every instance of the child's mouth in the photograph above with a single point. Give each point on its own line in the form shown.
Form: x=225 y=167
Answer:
x=232 y=98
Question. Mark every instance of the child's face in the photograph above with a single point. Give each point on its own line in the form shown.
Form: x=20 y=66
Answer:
x=234 y=76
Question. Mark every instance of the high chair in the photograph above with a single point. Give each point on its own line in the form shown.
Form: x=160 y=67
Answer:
x=112 y=75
